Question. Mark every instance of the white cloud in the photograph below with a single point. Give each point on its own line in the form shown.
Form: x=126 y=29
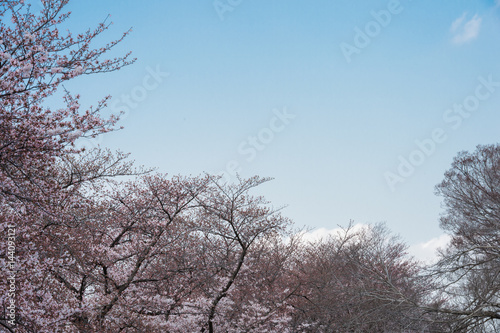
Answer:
x=465 y=31
x=458 y=22
x=426 y=251
x=323 y=233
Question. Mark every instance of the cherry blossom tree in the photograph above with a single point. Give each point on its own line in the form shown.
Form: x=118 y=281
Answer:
x=46 y=245
x=138 y=262
x=37 y=193
x=161 y=254
x=36 y=58
x=241 y=232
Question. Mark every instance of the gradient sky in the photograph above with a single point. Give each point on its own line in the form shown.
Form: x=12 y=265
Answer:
x=233 y=64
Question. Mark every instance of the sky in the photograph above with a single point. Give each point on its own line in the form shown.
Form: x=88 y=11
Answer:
x=355 y=108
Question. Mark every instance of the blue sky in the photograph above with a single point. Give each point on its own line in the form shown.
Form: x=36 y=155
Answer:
x=267 y=88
